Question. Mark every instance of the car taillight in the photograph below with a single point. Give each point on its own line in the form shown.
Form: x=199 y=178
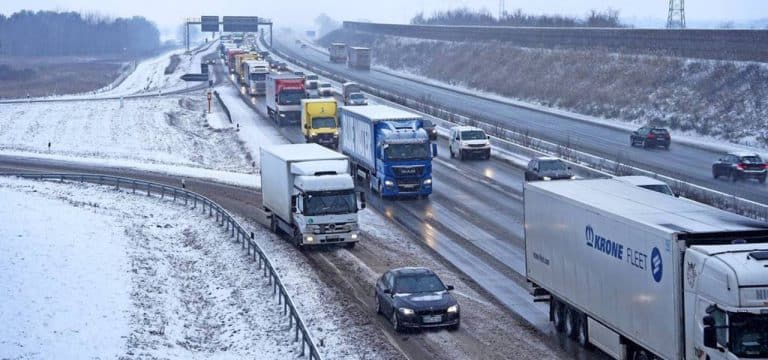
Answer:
x=651 y=136
x=765 y=166
x=740 y=166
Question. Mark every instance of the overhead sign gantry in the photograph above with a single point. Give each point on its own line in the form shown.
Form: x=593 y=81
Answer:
x=230 y=24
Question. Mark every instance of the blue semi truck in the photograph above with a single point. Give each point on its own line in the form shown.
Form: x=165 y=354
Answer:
x=389 y=148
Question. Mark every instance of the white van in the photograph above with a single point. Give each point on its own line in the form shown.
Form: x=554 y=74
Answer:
x=468 y=141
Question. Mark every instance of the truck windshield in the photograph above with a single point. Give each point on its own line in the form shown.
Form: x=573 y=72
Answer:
x=473 y=135
x=407 y=151
x=357 y=96
x=330 y=202
x=258 y=77
x=323 y=122
x=290 y=97
x=748 y=335
x=312 y=85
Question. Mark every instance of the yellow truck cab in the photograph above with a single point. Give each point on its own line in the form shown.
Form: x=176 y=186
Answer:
x=320 y=122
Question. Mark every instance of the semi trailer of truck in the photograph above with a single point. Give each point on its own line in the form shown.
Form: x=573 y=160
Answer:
x=644 y=275
x=389 y=148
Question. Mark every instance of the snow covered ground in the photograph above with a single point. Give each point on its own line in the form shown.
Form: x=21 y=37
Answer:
x=90 y=272
x=163 y=130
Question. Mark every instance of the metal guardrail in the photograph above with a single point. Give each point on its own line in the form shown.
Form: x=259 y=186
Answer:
x=223 y=105
x=523 y=142
x=702 y=43
x=223 y=218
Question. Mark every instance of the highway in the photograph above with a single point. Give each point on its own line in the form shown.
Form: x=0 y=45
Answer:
x=474 y=221
x=684 y=162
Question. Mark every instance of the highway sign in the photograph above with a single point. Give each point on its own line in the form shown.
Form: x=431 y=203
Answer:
x=241 y=23
x=210 y=23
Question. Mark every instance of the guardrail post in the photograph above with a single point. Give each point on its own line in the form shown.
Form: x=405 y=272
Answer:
x=174 y=195
x=148 y=190
x=296 y=337
x=117 y=183
x=134 y=186
x=162 y=192
x=61 y=178
x=82 y=178
x=186 y=197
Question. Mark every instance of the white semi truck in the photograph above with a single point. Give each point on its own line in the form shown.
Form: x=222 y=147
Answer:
x=309 y=195
x=644 y=275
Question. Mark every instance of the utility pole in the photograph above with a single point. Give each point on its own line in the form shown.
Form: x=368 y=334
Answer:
x=676 y=17
x=502 y=9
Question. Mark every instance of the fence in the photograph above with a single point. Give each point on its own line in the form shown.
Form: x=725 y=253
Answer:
x=708 y=44
x=521 y=142
x=223 y=218
x=223 y=105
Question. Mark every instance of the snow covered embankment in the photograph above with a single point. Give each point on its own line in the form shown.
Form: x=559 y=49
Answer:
x=88 y=272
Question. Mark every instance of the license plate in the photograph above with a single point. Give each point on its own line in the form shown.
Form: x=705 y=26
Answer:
x=431 y=319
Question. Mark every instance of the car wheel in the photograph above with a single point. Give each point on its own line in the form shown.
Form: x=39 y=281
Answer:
x=631 y=142
x=395 y=322
x=450 y=151
x=582 y=336
x=666 y=147
x=734 y=176
x=378 y=303
x=715 y=174
x=645 y=144
x=571 y=322
x=762 y=180
x=557 y=315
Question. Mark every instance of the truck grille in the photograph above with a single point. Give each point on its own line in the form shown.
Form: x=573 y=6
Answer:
x=334 y=228
x=407 y=186
x=476 y=145
x=408 y=170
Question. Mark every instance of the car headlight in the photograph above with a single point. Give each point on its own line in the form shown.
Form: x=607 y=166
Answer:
x=389 y=183
x=546 y=178
x=427 y=181
x=406 y=311
x=453 y=309
x=573 y=177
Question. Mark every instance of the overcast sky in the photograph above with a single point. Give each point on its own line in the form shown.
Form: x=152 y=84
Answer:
x=167 y=13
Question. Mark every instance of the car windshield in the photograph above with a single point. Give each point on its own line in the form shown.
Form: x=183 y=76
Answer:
x=748 y=335
x=356 y=96
x=473 y=135
x=751 y=160
x=323 y=122
x=330 y=202
x=290 y=97
x=407 y=151
x=661 y=188
x=553 y=165
x=421 y=283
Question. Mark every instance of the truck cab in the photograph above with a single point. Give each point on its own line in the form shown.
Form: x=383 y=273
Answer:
x=319 y=122
x=726 y=300
x=283 y=98
x=257 y=71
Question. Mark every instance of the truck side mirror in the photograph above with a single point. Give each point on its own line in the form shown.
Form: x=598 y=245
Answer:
x=362 y=200
x=488 y=137
x=434 y=150
x=293 y=203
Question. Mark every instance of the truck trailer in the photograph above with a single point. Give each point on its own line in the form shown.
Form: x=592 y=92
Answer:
x=644 y=275
x=309 y=195
x=338 y=52
x=389 y=148
x=283 y=98
x=320 y=122
x=359 y=58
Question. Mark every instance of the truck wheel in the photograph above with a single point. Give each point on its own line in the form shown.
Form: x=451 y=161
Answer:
x=273 y=224
x=571 y=321
x=642 y=355
x=582 y=336
x=296 y=238
x=350 y=245
x=556 y=308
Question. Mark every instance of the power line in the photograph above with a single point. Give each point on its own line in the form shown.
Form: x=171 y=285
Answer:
x=676 y=17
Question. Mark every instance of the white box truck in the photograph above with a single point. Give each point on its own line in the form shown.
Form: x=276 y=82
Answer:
x=308 y=194
x=644 y=275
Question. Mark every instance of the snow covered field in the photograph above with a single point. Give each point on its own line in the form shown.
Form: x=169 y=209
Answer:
x=89 y=272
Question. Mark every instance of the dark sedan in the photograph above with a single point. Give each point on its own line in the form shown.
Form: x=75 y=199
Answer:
x=431 y=129
x=548 y=168
x=740 y=166
x=416 y=298
x=648 y=136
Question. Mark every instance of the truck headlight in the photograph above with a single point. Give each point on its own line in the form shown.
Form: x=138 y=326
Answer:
x=309 y=239
x=389 y=183
x=282 y=115
x=546 y=178
x=406 y=311
x=353 y=237
x=427 y=181
x=453 y=309
x=573 y=177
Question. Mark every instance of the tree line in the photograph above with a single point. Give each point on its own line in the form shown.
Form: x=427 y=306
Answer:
x=49 y=33
x=466 y=16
